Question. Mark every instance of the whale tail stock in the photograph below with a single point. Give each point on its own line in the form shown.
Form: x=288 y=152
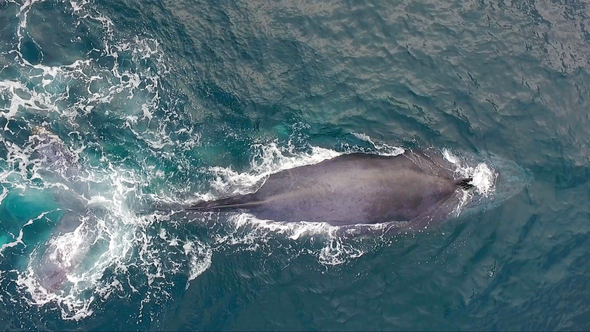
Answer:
x=465 y=183
x=225 y=204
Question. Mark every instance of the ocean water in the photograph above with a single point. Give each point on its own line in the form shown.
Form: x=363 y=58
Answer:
x=108 y=107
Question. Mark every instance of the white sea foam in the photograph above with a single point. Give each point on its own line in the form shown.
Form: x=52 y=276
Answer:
x=200 y=259
x=382 y=148
x=484 y=177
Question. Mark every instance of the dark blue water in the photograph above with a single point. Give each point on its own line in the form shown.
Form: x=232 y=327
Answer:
x=109 y=106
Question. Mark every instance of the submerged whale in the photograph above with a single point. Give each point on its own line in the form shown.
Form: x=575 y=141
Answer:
x=413 y=188
x=59 y=165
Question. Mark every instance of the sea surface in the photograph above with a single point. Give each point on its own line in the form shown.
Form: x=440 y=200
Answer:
x=111 y=107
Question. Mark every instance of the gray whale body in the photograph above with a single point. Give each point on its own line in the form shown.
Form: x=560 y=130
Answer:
x=413 y=187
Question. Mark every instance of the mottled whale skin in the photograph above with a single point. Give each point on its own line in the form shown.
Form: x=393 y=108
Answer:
x=356 y=188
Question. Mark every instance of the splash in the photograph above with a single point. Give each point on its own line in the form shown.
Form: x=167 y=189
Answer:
x=484 y=178
x=495 y=179
x=382 y=148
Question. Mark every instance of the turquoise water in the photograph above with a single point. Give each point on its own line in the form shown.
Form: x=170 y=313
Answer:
x=175 y=101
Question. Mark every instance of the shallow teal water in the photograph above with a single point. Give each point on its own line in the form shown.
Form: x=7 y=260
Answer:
x=183 y=100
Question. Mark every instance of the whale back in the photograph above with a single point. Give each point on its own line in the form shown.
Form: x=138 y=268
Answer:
x=351 y=189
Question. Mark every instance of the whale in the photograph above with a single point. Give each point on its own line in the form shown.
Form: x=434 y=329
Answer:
x=412 y=189
x=59 y=165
